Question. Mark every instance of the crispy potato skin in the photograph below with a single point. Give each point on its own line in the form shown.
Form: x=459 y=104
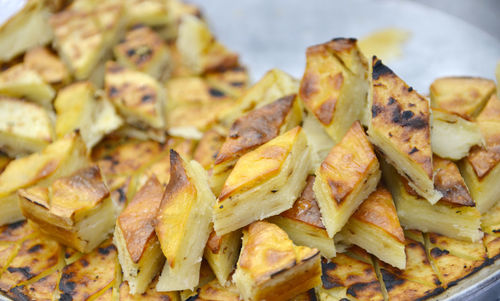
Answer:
x=137 y=220
x=347 y=162
x=306 y=209
x=379 y=210
x=255 y=128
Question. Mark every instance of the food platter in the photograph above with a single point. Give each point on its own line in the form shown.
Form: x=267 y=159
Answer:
x=268 y=33
x=162 y=116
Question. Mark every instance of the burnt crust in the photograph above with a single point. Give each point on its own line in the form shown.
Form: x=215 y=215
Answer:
x=306 y=209
x=254 y=129
x=137 y=220
x=401 y=115
x=450 y=183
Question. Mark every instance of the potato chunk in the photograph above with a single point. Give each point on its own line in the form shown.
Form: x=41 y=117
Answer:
x=271 y=267
x=76 y=210
x=58 y=159
x=346 y=178
x=400 y=127
x=25 y=127
x=183 y=223
x=252 y=130
x=264 y=182
x=335 y=85
x=375 y=227
x=139 y=250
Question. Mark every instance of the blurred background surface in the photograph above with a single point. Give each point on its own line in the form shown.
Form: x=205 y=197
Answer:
x=446 y=37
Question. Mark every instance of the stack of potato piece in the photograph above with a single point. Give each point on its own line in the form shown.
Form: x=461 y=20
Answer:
x=136 y=163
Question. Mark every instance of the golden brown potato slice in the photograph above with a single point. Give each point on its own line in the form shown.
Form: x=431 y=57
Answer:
x=25 y=127
x=234 y=81
x=150 y=294
x=144 y=50
x=335 y=85
x=264 y=182
x=303 y=222
x=183 y=223
x=481 y=169
x=200 y=50
x=454 y=215
x=35 y=256
x=128 y=157
x=76 y=210
x=85 y=32
x=453 y=136
x=24 y=30
x=221 y=253
x=48 y=65
x=345 y=178
x=207 y=149
x=136 y=95
x=273 y=85
x=375 y=227
x=90 y=274
x=193 y=106
x=139 y=250
x=417 y=281
x=271 y=267
x=349 y=275
x=464 y=96
x=21 y=81
x=43 y=289
x=455 y=259
x=77 y=107
x=400 y=127
x=58 y=159
x=252 y=130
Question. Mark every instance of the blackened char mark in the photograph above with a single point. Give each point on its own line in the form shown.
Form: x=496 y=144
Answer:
x=437 y=252
x=407 y=119
x=390 y=280
x=380 y=69
x=376 y=110
x=328 y=282
x=25 y=271
x=359 y=287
